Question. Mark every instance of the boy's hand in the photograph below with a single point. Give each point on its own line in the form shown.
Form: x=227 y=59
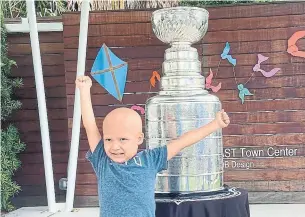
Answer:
x=83 y=82
x=222 y=119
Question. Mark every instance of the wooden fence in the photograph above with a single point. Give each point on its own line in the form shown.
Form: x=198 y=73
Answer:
x=273 y=118
x=31 y=175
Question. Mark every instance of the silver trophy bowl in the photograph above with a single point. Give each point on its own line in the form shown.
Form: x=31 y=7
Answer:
x=180 y=24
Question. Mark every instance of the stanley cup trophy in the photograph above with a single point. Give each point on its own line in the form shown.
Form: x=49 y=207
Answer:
x=192 y=185
x=183 y=104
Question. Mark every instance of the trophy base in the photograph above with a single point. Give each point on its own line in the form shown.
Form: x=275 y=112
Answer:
x=229 y=202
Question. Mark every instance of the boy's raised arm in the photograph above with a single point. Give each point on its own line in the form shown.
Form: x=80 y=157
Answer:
x=174 y=147
x=84 y=84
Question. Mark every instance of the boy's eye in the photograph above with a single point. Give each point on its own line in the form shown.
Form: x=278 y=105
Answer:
x=108 y=140
x=123 y=139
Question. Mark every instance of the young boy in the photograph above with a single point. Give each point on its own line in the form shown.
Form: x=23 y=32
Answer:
x=126 y=179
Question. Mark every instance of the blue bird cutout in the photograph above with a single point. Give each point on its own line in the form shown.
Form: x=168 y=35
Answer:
x=225 y=54
x=243 y=91
x=110 y=72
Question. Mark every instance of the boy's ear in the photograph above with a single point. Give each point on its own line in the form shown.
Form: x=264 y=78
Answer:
x=140 y=138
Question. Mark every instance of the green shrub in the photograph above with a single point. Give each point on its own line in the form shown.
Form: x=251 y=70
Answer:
x=10 y=141
x=10 y=147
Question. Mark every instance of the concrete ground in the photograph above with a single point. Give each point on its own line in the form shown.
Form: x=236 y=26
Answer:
x=256 y=210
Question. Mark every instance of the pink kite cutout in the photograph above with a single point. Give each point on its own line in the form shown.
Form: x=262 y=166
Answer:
x=138 y=108
x=257 y=67
x=208 y=83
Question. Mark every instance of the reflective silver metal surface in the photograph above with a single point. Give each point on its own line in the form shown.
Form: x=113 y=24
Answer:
x=182 y=105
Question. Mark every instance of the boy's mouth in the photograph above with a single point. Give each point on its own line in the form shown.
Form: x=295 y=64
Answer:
x=117 y=154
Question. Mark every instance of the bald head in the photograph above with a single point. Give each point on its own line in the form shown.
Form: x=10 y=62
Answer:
x=123 y=119
x=122 y=134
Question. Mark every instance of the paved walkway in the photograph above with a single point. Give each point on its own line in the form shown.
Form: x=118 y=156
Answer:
x=257 y=210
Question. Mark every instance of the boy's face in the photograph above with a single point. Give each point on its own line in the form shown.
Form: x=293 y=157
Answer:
x=122 y=135
x=121 y=146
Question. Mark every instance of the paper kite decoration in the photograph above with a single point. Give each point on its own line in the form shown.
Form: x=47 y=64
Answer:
x=110 y=72
x=243 y=91
x=208 y=83
x=155 y=75
x=225 y=54
x=292 y=48
x=138 y=108
x=257 y=67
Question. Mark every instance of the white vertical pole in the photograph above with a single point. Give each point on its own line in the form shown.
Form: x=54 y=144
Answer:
x=42 y=108
x=72 y=165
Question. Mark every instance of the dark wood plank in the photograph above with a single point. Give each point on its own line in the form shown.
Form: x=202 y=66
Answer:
x=250 y=35
x=58 y=81
x=35 y=137
x=111 y=29
x=104 y=17
x=48 y=71
x=86 y=190
x=56 y=147
x=271 y=105
x=38 y=190
x=37 y=158
x=36 y=179
x=45 y=48
x=46 y=60
x=51 y=92
x=284 y=139
x=264 y=10
x=273 y=186
x=256 y=22
x=112 y=41
x=268 y=117
x=34 y=126
x=261 y=94
x=52 y=103
x=264 y=175
x=44 y=37
x=28 y=115
x=38 y=169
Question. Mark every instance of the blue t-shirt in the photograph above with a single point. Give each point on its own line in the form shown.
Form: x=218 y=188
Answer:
x=127 y=190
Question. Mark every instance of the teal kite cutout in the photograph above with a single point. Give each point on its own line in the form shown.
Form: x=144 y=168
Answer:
x=110 y=72
x=243 y=91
